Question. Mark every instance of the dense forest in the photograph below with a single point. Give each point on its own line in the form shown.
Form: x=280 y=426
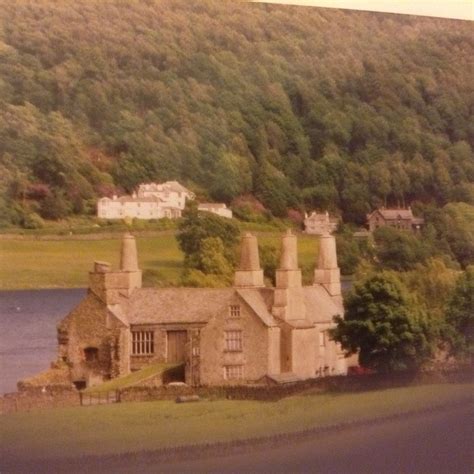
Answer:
x=303 y=108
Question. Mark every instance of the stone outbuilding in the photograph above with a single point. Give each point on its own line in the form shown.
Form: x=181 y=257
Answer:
x=235 y=335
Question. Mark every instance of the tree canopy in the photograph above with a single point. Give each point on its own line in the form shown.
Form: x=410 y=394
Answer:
x=207 y=241
x=385 y=326
x=460 y=314
x=301 y=107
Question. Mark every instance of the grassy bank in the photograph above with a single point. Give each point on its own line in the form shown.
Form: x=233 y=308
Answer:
x=27 y=264
x=135 y=427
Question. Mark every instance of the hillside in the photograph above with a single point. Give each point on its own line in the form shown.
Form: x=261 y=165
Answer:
x=301 y=107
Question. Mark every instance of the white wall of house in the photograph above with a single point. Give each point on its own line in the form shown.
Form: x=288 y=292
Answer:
x=153 y=201
x=120 y=208
x=219 y=209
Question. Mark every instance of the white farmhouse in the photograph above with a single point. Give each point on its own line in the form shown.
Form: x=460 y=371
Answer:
x=216 y=208
x=319 y=224
x=171 y=192
x=153 y=201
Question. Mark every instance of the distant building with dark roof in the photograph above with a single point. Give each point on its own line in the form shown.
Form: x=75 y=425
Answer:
x=398 y=218
x=242 y=334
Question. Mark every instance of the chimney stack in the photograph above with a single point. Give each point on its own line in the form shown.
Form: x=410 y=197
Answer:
x=327 y=272
x=289 y=252
x=128 y=256
x=288 y=275
x=249 y=273
x=289 y=299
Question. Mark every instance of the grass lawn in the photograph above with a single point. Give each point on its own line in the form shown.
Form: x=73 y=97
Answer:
x=132 y=427
x=27 y=264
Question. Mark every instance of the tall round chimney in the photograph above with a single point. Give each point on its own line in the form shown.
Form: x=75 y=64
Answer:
x=128 y=256
x=289 y=252
x=249 y=259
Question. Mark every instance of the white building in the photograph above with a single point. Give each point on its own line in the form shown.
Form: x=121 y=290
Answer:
x=319 y=224
x=172 y=193
x=153 y=201
x=216 y=208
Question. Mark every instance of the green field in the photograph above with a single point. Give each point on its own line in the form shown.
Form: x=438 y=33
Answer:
x=131 y=427
x=26 y=264
x=66 y=263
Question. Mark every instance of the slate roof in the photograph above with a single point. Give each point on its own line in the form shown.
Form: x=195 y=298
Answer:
x=175 y=186
x=394 y=214
x=320 y=307
x=200 y=305
x=189 y=305
x=176 y=305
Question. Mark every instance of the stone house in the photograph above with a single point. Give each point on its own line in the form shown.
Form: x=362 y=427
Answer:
x=398 y=218
x=237 y=335
x=152 y=201
x=320 y=224
x=217 y=208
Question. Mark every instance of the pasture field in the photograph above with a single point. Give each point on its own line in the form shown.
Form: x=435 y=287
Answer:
x=31 y=264
x=65 y=263
x=135 y=427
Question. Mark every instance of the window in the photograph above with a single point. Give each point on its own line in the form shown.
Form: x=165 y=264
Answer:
x=91 y=354
x=233 y=372
x=233 y=340
x=322 y=339
x=143 y=342
x=234 y=311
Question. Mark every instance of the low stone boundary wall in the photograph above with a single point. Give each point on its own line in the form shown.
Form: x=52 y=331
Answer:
x=349 y=383
x=37 y=397
x=60 y=396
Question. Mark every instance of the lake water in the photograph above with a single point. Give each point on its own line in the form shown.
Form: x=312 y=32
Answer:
x=28 y=322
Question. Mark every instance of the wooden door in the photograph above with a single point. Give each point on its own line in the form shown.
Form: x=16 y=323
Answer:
x=177 y=346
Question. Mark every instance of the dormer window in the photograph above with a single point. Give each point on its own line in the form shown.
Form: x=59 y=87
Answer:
x=234 y=311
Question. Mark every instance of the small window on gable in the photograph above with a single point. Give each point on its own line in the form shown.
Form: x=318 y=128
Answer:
x=234 y=311
x=91 y=354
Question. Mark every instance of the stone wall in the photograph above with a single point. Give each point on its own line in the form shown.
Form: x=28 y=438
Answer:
x=338 y=384
x=37 y=398
x=60 y=396
x=90 y=325
x=255 y=346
